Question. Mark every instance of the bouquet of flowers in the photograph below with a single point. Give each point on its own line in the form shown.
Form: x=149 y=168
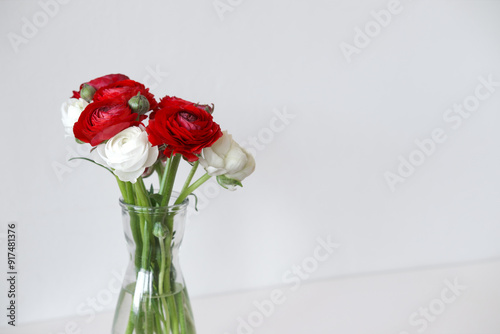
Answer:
x=133 y=136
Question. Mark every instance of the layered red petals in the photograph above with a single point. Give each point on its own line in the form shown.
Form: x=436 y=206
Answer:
x=101 y=82
x=102 y=120
x=107 y=80
x=125 y=90
x=184 y=127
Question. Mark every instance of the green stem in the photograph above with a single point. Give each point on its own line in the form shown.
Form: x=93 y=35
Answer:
x=135 y=225
x=130 y=193
x=150 y=316
x=146 y=224
x=173 y=314
x=139 y=325
x=128 y=197
x=127 y=191
x=180 y=307
x=192 y=188
x=147 y=227
x=161 y=285
x=143 y=200
x=137 y=235
x=142 y=193
x=123 y=190
x=130 y=326
x=168 y=288
x=190 y=176
x=162 y=266
x=164 y=177
x=169 y=183
x=160 y=170
x=158 y=320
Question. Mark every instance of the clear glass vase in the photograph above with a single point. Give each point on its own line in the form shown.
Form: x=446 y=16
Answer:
x=153 y=298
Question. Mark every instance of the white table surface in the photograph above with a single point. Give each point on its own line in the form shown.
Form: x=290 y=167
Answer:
x=370 y=304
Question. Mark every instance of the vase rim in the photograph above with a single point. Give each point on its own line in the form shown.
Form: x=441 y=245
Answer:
x=170 y=208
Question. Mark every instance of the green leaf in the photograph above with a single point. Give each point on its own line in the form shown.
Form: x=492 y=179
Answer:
x=90 y=160
x=79 y=141
x=155 y=199
x=195 y=201
x=225 y=181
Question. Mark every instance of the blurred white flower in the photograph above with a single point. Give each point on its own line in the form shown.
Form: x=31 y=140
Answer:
x=71 y=111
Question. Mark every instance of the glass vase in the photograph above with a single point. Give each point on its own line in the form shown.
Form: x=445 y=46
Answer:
x=153 y=297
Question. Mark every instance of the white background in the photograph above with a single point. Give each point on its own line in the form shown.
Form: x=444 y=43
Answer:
x=320 y=175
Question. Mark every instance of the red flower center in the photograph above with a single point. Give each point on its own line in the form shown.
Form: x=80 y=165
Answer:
x=188 y=117
x=186 y=120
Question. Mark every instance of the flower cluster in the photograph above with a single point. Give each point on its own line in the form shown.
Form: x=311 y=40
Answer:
x=133 y=134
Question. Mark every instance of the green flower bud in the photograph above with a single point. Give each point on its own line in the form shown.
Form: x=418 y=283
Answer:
x=87 y=92
x=160 y=230
x=139 y=104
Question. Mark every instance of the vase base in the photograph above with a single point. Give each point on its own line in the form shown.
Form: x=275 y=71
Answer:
x=165 y=314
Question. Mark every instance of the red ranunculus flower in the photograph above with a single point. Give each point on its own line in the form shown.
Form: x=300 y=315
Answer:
x=125 y=90
x=185 y=127
x=102 y=120
x=101 y=82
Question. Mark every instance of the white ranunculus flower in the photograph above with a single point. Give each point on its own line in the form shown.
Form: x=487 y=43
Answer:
x=227 y=158
x=71 y=111
x=128 y=153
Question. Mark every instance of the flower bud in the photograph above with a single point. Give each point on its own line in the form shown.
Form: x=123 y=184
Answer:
x=87 y=92
x=148 y=172
x=139 y=104
x=160 y=230
x=208 y=108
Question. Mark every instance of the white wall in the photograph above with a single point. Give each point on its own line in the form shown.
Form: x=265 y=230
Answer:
x=321 y=174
